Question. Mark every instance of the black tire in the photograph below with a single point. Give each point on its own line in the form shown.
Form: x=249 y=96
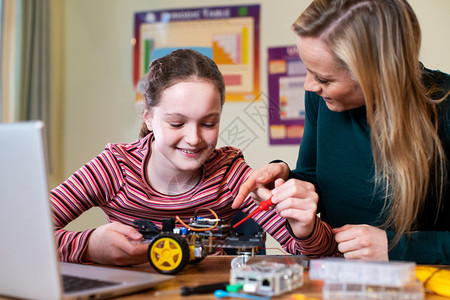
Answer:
x=168 y=253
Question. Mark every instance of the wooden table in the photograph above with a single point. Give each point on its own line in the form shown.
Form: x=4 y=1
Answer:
x=214 y=269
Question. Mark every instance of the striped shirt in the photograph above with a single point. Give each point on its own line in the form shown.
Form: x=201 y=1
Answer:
x=116 y=182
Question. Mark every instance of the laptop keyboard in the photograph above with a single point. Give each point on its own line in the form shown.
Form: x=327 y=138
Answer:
x=73 y=283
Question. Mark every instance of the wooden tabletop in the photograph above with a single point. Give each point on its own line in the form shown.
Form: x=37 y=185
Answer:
x=214 y=269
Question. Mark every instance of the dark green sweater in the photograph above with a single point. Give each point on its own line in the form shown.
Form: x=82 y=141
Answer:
x=336 y=156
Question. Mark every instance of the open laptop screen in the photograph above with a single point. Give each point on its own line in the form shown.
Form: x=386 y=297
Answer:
x=28 y=258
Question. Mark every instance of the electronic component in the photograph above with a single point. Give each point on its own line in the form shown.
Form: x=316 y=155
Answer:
x=172 y=248
x=268 y=278
x=352 y=279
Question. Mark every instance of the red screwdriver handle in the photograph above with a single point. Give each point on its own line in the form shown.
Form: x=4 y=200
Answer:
x=265 y=205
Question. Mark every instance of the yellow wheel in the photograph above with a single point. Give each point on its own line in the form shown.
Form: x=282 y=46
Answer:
x=168 y=253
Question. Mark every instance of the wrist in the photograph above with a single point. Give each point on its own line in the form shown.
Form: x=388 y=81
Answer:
x=86 y=256
x=305 y=233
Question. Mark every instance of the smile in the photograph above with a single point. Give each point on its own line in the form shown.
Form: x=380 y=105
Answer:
x=189 y=151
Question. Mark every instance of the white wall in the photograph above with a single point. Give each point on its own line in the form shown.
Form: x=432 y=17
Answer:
x=99 y=93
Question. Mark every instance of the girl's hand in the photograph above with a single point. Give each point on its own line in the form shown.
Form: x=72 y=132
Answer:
x=362 y=242
x=260 y=182
x=296 y=201
x=116 y=244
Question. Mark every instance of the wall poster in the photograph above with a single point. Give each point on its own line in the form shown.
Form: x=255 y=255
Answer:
x=286 y=76
x=227 y=34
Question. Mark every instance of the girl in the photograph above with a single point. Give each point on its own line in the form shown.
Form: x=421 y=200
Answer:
x=172 y=170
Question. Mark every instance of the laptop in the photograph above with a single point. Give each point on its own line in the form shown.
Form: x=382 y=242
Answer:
x=28 y=259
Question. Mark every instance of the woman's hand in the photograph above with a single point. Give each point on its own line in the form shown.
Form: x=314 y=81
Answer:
x=116 y=244
x=260 y=182
x=362 y=242
x=296 y=201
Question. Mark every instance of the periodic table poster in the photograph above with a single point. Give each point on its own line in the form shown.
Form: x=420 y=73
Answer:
x=286 y=76
x=229 y=35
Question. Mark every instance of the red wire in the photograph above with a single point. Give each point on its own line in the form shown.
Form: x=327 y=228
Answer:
x=265 y=205
x=247 y=217
x=282 y=251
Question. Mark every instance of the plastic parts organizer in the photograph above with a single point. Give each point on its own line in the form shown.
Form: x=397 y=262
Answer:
x=351 y=279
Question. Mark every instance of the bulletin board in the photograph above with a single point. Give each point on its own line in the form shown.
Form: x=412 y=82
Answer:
x=286 y=76
x=228 y=34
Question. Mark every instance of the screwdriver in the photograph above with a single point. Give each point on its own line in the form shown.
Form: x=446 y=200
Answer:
x=192 y=290
x=264 y=205
x=202 y=289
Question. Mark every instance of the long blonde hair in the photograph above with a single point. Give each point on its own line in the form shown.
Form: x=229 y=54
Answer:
x=378 y=42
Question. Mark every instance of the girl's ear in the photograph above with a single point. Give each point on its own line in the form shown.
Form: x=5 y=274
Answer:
x=147 y=117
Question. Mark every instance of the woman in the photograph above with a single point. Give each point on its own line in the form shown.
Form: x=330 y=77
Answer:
x=377 y=135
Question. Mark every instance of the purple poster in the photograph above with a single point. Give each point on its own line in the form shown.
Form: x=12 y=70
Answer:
x=286 y=76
